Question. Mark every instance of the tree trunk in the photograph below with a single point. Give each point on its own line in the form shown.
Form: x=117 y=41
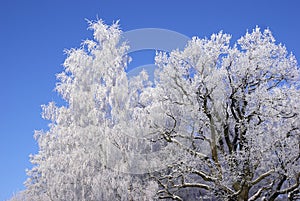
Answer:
x=243 y=196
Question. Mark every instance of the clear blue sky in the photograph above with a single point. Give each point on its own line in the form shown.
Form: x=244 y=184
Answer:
x=34 y=33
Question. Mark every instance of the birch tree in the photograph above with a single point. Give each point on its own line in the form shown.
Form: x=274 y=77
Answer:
x=72 y=162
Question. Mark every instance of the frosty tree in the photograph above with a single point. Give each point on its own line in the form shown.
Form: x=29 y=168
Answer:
x=72 y=159
x=233 y=115
x=219 y=123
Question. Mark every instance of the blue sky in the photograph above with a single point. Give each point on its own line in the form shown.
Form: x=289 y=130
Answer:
x=34 y=33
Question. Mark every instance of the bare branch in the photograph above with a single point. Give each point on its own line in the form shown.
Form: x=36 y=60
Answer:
x=203 y=175
x=193 y=185
x=262 y=176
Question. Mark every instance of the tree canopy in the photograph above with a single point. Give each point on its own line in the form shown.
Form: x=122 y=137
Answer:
x=220 y=122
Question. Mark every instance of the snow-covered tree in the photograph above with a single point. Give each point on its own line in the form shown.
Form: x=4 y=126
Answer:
x=219 y=123
x=72 y=160
x=232 y=114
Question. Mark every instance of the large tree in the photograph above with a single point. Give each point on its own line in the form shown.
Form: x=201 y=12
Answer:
x=219 y=122
x=72 y=162
x=233 y=113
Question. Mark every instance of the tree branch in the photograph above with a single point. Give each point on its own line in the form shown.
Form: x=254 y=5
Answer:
x=261 y=177
x=194 y=185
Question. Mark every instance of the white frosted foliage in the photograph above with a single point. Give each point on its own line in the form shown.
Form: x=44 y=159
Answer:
x=219 y=122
